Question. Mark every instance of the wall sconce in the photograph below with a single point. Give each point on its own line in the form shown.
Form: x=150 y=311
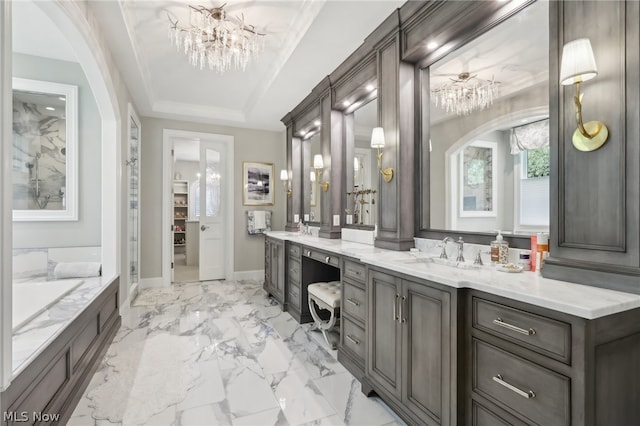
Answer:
x=318 y=165
x=377 y=141
x=356 y=165
x=578 y=65
x=286 y=182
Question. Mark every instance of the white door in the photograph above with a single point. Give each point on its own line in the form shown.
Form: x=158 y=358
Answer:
x=213 y=172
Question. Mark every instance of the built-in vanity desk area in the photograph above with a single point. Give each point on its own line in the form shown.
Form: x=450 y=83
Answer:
x=456 y=119
x=445 y=345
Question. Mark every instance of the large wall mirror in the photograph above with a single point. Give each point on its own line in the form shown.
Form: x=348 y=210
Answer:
x=44 y=163
x=488 y=106
x=362 y=183
x=311 y=177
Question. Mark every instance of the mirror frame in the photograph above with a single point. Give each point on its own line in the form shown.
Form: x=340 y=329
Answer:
x=70 y=212
x=457 y=39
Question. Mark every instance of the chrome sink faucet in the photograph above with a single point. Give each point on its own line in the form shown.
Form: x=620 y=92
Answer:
x=460 y=243
x=443 y=254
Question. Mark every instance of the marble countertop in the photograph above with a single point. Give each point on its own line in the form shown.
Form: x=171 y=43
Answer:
x=575 y=299
x=31 y=339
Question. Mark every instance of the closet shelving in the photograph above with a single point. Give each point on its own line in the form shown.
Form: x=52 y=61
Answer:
x=180 y=212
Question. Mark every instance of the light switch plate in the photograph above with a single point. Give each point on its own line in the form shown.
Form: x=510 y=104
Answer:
x=296 y=218
x=349 y=219
x=336 y=220
x=306 y=218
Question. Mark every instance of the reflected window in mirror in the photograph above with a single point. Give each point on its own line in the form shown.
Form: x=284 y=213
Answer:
x=530 y=144
x=478 y=183
x=482 y=97
x=362 y=190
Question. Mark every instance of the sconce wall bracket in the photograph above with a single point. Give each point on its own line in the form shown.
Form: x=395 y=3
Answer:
x=591 y=135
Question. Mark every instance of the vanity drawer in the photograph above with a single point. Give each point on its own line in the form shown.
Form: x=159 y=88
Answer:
x=294 y=251
x=294 y=295
x=294 y=270
x=354 y=270
x=353 y=301
x=353 y=338
x=541 y=334
x=482 y=416
x=534 y=392
x=321 y=256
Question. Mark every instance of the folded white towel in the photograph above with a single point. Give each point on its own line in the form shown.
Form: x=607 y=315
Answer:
x=259 y=219
x=77 y=270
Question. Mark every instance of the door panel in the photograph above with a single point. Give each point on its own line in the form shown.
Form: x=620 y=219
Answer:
x=425 y=345
x=211 y=208
x=384 y=332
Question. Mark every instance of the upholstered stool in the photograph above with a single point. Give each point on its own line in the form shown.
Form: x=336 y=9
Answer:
x=326 y=296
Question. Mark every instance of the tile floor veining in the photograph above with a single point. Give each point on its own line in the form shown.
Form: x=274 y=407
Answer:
x=221 y=353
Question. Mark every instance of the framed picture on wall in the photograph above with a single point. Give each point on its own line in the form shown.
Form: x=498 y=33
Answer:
x=257 y=184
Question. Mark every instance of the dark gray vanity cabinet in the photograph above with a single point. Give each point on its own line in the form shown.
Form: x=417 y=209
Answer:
x=274 y=272
x=293 y=279
x=529 y=365
x=411 y=347
x=353 y=317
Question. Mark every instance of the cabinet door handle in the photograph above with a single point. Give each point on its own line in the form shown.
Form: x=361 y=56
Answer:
x=403 y=309
x=529 y=332
x=528 y=394
x=353 y=302
x=327 y=259
x=395 y=308
x=354 y=341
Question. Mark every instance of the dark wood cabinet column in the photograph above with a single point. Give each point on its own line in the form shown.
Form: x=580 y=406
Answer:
x=331 y=139
x=396 y=108
x=595 y=221
x=294 y=167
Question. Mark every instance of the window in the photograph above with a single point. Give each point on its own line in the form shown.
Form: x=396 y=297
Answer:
x=212 y=194
x=478 y=185
x=534 y=188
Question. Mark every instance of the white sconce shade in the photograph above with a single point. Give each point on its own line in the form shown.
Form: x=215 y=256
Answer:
x=317 y=161
x=284 y=176
x=312 y=177
x=356 y=164
x=578 y=63
x=377 y=137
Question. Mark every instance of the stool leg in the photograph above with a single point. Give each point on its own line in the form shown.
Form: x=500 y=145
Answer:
x=314 y=315
x=323 y=326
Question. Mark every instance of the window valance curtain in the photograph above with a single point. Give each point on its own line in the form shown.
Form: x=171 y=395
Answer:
x=530 y=136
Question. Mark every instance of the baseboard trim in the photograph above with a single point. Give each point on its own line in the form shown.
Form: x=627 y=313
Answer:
x=155 y=282
x=133 y=293
x=258 y=274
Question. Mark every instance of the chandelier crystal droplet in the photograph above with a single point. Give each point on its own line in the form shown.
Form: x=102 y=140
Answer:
x=216 y=41
x=465 y=94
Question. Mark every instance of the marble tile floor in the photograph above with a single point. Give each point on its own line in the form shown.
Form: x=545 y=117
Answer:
x=221 y=353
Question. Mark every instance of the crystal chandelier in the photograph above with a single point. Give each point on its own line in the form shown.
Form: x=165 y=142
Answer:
x=465 y=94
x=215 y=40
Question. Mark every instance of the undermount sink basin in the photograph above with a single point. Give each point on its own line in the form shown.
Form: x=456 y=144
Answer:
x=445 y=262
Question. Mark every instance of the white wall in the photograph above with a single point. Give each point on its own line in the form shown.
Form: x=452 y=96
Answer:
x=249 y=145
x=85 y=231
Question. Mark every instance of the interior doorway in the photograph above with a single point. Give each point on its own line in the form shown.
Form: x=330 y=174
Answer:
x=198 y=207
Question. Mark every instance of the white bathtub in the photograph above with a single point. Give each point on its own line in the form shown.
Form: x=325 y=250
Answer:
x=32 y=298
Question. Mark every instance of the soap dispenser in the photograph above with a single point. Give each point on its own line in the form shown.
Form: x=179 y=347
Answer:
x=499 y=250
